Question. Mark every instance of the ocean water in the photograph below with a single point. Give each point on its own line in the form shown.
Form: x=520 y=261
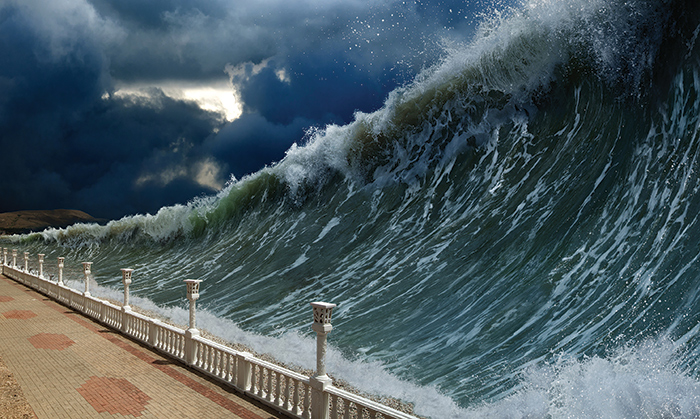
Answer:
x=516 y=233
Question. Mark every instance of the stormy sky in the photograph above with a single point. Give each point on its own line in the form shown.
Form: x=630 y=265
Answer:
x=118 y=107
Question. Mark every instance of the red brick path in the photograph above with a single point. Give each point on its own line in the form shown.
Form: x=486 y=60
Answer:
x=114 y=395
x=51 y=341
x=19 y=314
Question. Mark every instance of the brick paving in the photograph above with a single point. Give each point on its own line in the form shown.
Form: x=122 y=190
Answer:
x=114 y=395
x=71 y=367
x=19 y=314
x=53 y=341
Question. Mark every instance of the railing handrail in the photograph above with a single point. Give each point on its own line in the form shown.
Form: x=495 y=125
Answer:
x=105 y=302
x=167 y=326
x=363 y=401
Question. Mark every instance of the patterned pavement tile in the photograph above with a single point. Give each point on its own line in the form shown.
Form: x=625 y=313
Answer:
x=53 y=341
x=19 y=314
x=114 y=395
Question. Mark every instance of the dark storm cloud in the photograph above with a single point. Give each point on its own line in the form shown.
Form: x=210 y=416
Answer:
x=63 y=144
x=69 y=139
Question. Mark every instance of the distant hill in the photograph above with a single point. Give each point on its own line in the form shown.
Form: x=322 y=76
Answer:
x=21 y=222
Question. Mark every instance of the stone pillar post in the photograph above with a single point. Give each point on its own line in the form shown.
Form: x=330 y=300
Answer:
x=87 y=272
x=126 y=280
x=320 y=399
x=4 y=256
x=14 y=258
x=192 y=296
x=41 y=265
x=60 y=270
x=245 y=371
x=26 y=261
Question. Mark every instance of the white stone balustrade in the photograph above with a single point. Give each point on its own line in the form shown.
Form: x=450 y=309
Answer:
x=4 y=256
x=14 y=258
x=26 y=261
x=287 y=391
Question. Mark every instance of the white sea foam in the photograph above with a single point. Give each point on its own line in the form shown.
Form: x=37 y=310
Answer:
x=642 y=381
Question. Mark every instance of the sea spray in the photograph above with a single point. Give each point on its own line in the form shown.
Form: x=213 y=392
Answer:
x=638 y=381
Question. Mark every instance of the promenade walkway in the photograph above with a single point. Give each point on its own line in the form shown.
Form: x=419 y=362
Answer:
x=71 y=367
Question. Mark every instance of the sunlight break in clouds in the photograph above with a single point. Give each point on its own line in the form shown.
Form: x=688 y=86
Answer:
x=218 y=97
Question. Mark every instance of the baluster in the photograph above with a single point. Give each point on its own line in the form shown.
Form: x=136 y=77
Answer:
x=296 y=408
x=198 y=350
x=253 y=378
x=223 y=358
x=307 y=402
x=197 y=354
x=287 y=401
x=223 y=362
x=270 y=395
x=334 y=410
x=278 y=389
x=261 y=382
x=229 y=367
x=171 y=343
x=158 y=338
x=346 y=406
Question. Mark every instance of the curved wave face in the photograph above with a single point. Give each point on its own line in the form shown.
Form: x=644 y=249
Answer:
x=516 y=233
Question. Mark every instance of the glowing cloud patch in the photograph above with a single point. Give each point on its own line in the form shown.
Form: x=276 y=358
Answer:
x=218 y=97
